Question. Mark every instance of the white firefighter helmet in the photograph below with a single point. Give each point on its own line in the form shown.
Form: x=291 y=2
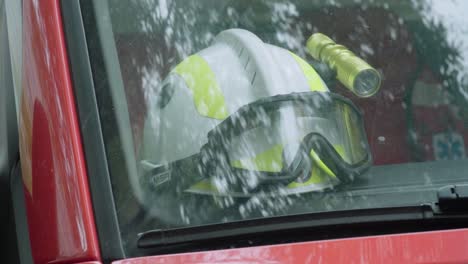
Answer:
x=232 y=119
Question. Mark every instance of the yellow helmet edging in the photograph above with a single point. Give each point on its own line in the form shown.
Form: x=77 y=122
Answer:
x=313 y=79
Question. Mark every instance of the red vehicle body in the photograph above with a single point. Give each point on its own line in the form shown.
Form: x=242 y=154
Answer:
x=59 y=208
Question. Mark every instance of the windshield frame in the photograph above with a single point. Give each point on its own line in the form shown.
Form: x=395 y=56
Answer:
x=83 y=46
x=106 y=144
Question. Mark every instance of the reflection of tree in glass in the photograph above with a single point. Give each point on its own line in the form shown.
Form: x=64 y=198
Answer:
x=441 y=53
x=154 y=36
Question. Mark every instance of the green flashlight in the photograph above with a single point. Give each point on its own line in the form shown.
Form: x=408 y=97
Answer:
x=353 y=72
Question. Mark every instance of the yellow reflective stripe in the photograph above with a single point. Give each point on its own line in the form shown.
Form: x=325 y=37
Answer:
x=201 y=80
x=270 y=160
x=321 y=165
x=205 y=186
x=320 y=172
x=354 y=137
x=340 y=149
x=313 y=79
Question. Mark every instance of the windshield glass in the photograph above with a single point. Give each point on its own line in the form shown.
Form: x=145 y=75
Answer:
x=233 y=110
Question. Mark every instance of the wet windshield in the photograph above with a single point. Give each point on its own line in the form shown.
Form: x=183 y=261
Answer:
x=234 y=110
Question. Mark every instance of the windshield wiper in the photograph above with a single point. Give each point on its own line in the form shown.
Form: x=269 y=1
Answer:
x=281 y=224
x=450 y=211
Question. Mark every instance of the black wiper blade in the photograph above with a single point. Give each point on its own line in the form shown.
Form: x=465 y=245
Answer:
x=453 y=198
x=283 y=225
